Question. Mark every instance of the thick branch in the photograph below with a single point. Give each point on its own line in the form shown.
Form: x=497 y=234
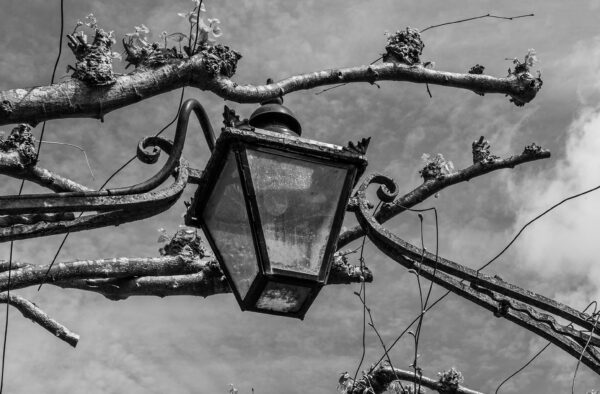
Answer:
x=76 y=99
x=120 y=278
x=210 y=280
x=381 y=377
x=106 y=268
x=11 y=164
x=35 y=314
x=432 y=186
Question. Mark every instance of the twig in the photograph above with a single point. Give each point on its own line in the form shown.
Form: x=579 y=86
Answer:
x=477 y=17
x=35 y=314
x=12 y=165
x=344 y=84
x=74 y=146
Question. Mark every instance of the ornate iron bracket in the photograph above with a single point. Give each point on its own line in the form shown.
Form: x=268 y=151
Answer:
x=502 y=298
x=113 y=206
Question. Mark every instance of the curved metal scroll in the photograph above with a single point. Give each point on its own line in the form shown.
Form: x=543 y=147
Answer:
x=502 y=298
x=119 y=205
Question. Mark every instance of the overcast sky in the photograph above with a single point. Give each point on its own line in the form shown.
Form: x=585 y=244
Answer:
x=194 y=345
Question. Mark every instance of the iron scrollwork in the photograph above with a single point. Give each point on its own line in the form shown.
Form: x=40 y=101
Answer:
x=111 y=206
x=504 y=299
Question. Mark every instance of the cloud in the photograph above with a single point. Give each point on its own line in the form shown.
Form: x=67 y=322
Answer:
x=568 y=236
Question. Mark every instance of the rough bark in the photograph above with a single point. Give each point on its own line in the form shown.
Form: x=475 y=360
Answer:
x=11 y=164
x=119 y=278
x=76 y=99
x=432 y=186
x=35 y=314
x=379 y=379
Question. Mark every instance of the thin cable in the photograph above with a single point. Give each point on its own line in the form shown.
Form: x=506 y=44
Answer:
x=443 y=296
x=523 y=367
x=37 y=155
x=6 y=322
x=477 y=17
x=104 y=185
x=533 y=220
x=363 y=291
x=581 y=355
x=542 y=350
x=417 y=334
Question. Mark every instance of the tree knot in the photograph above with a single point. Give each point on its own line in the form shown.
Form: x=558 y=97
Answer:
x=450 y=380
x=94 y=61
x=404 y=46
x=185 y=242
x=481 y=152
x=22 y=141
x=220 y=60
x=435 y=167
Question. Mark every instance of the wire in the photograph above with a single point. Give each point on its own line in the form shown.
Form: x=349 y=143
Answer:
x=6 y=322
x=544 y=348
x=533 y=220
x=104 y=185
x=443 y=296
x=477 y=17
x=581 y=355
x=37 y=155
x=363 y=299
x=523 y=367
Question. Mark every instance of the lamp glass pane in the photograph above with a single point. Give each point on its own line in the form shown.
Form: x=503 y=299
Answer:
x=226 y=217
x=297 y=201
x=279 y=297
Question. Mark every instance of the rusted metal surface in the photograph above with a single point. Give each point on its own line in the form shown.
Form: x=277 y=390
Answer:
x=502 y=298
x=112 y=206
x=159 y=201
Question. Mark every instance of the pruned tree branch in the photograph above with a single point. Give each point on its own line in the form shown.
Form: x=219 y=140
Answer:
x=77 y=99
x=11 y=164
x=482 y=165
x=182 y=270
x=209 y=280
x=381 y=378
x=120 y=278
x=35 y=314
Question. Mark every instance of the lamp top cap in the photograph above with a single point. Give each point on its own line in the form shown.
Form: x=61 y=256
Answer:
x=274 y=116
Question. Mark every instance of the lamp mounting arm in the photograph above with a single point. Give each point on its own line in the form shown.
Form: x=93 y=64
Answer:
x=502 y=298
x=117 y=205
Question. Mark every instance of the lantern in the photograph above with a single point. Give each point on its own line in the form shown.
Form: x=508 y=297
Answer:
x=271 y=205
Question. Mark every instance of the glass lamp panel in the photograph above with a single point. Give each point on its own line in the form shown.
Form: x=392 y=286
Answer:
x=227 y=221
x=279 y=297
x=297 y=201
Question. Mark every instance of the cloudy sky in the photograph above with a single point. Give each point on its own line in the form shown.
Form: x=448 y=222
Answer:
x=191 y=345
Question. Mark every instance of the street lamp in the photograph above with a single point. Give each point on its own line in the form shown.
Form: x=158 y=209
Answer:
x=271 y=205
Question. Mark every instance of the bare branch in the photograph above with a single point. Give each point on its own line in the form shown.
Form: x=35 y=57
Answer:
x=76 y=99
x=11 y=164
x=210 y=280
x=381 y=377
x=4 y=264
x=119 y=278
x=122 y=267
x=35 y=314
x=432 y=186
